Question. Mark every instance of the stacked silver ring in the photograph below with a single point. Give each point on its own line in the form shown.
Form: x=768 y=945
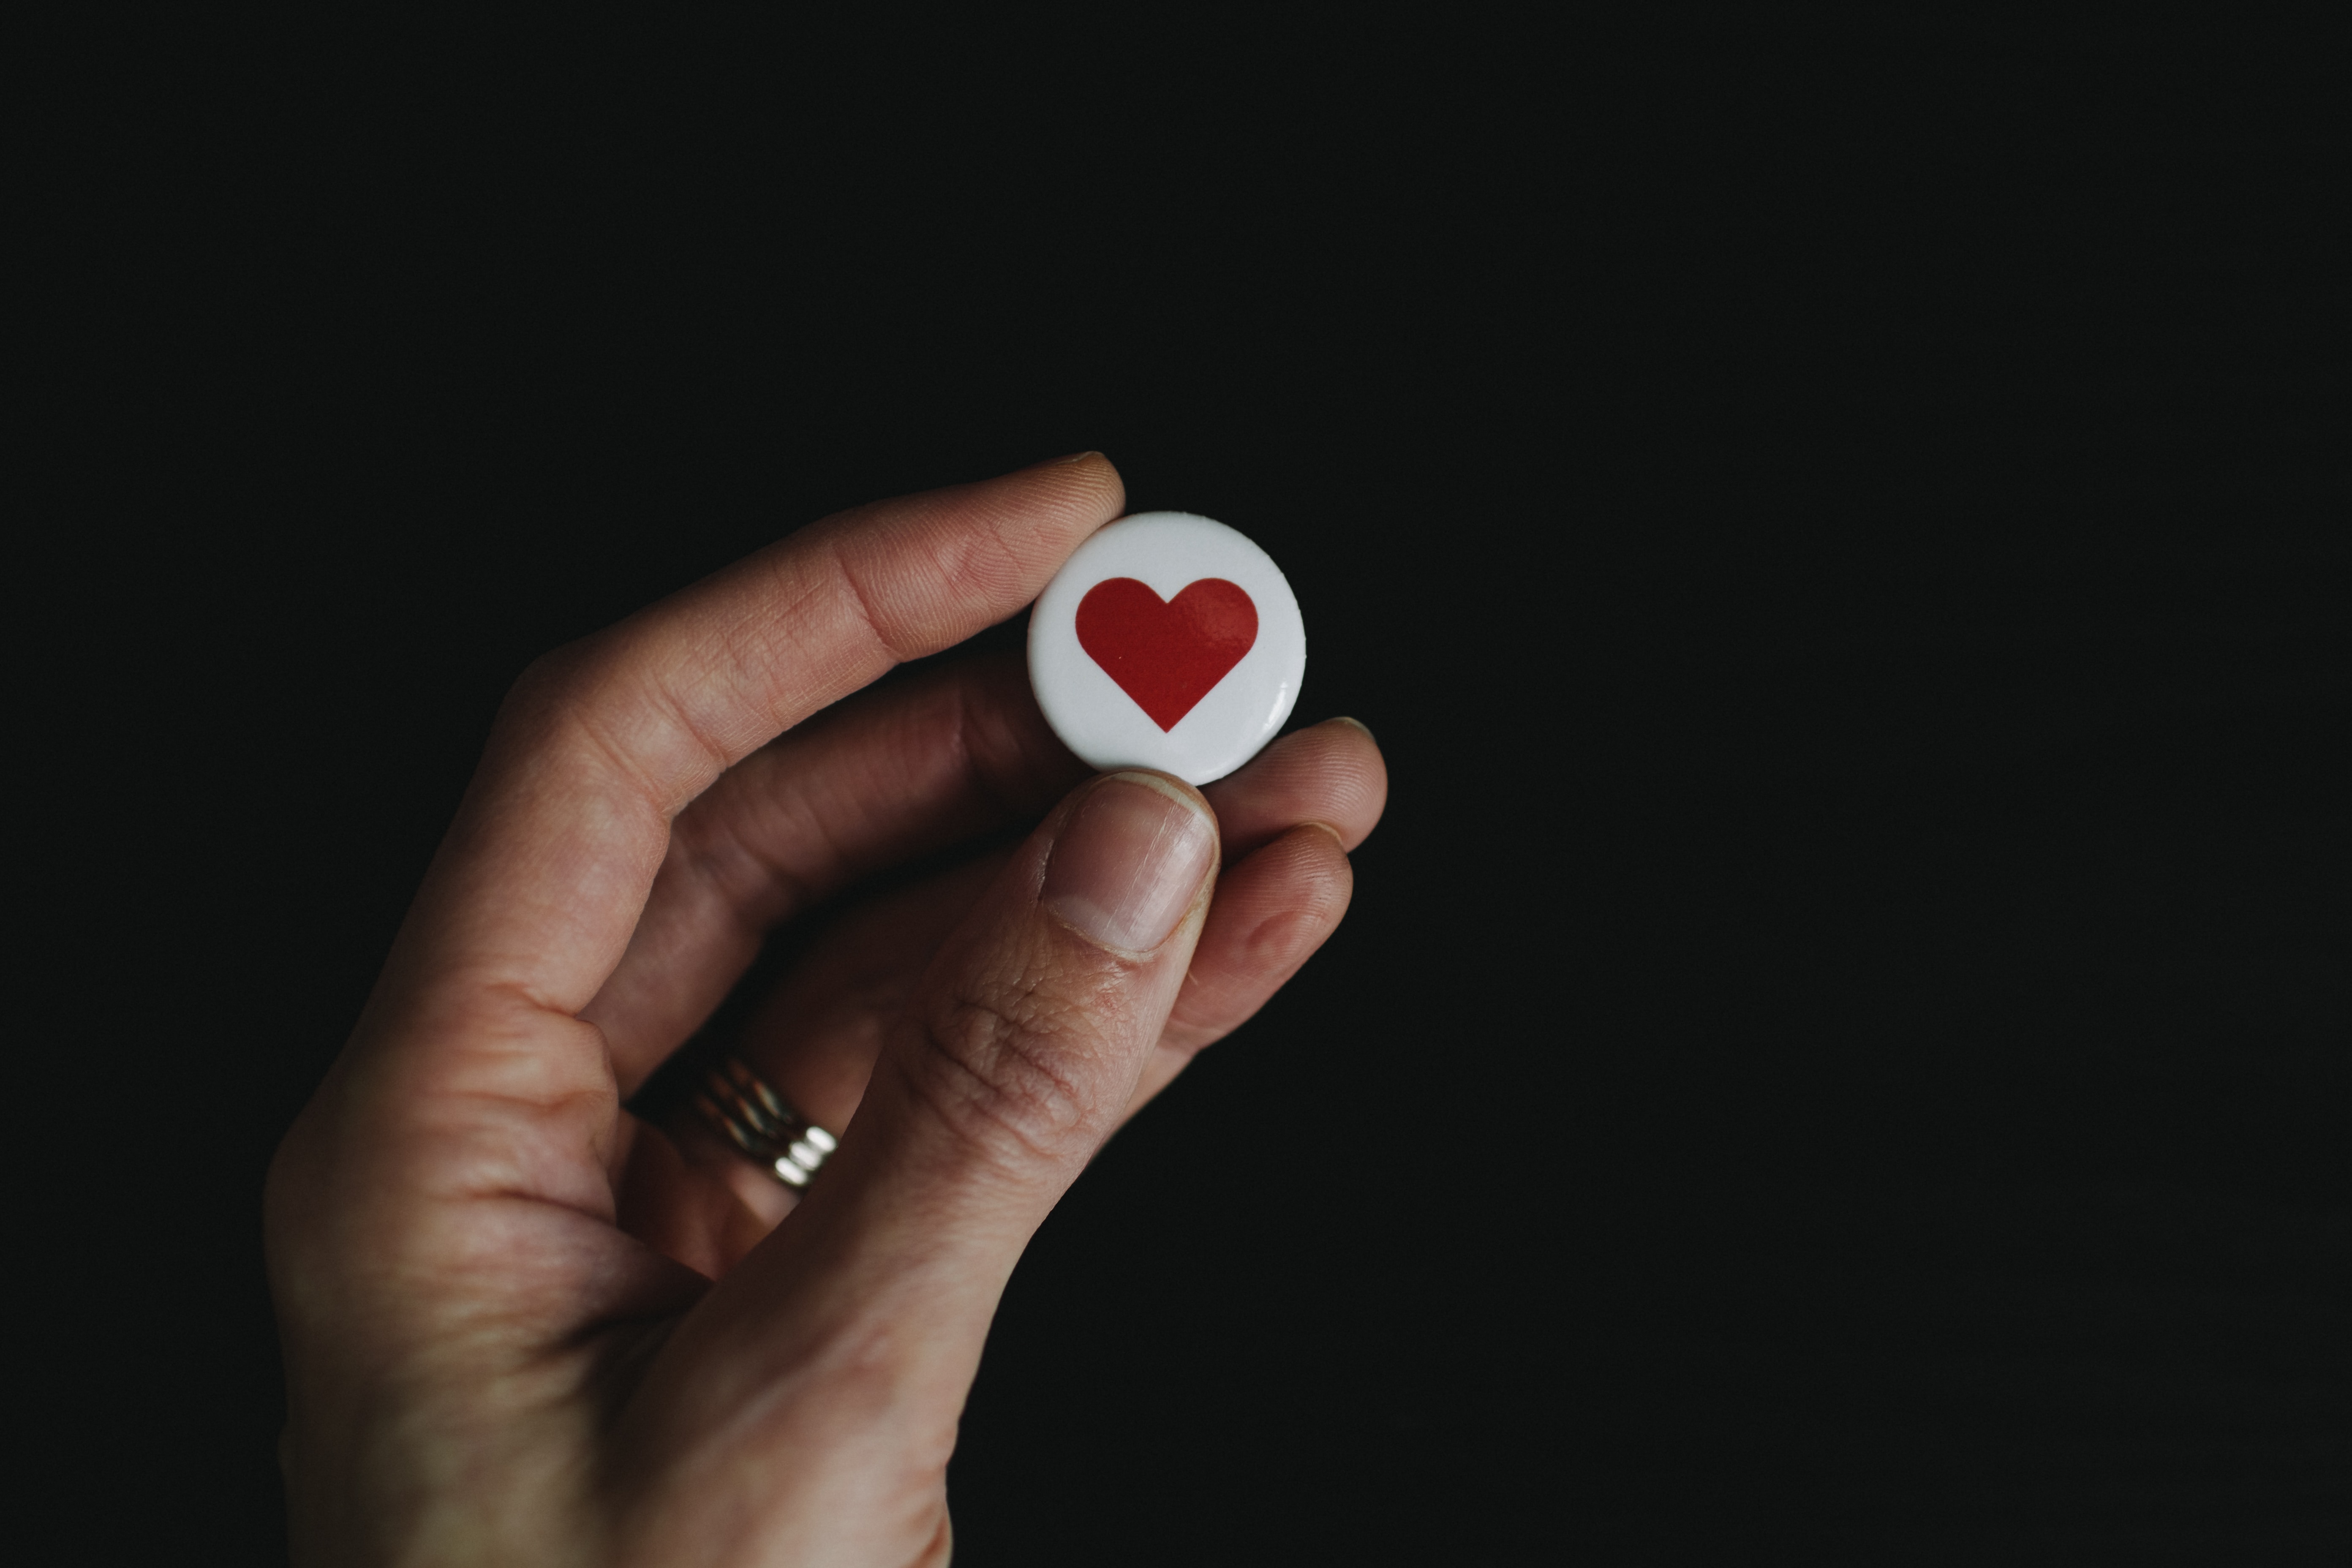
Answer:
x=763 y=1124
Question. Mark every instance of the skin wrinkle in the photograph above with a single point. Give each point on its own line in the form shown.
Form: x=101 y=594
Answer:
x=724 y=876
x=490 y=1169
x=771 y=893
x=509 y=1032
x=861 y=600
x=1004 y=1031
x=990 y=759
x=585 y=712
x=1013 y=565
x=980 y=776
x=646 y=796
x=1016 y=566
x=952 y=531
x=831 y=672
x=1207 y=1008
x=505 y=1228
x=747 y=649
x=1277 y=935
x=856 y=1358
x=840 y=861
x=864 y=606
x=717 y=756
x=1334 y=776
x=549 y=1107
x=585 y=1116
x=525 y=1383
x=788 y=644
x=965 y=759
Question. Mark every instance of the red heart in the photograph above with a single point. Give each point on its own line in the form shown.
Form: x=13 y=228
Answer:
x=1167 y=654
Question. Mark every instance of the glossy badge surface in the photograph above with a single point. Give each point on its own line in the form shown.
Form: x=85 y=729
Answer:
x=1168 y=641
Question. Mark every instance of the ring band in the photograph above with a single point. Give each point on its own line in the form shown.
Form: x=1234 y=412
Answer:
x=763 y=1124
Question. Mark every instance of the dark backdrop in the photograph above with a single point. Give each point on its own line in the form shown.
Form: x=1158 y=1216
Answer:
x=1842 y=1037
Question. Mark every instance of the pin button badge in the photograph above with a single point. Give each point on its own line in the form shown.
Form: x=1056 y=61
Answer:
x=1167 y=641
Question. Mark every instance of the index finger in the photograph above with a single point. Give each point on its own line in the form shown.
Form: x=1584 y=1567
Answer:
x=539 y=884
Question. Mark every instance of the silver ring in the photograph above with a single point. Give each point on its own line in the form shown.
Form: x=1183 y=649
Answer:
x=763 y=1124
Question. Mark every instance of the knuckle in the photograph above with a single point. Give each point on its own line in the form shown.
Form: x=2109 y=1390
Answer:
x=555 y=673
x=548 y=687
x=1018 y=1076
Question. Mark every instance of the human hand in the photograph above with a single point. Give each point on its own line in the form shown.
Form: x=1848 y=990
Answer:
x=521 y=1326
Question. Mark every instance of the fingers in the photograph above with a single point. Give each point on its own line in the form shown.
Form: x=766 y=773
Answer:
x=470 y=1074
x=889 y=775
x=1333 y=773
x=1015 y=1056
x=816 y=1037
x=1272 y=911
x=541 y=880
x=1297 y=808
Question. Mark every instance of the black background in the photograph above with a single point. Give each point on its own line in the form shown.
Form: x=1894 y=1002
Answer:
x=1842 y=1037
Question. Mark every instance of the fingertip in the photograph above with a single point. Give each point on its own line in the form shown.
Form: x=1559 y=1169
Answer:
x=1088 y=483
x=1271 y=913
x=1364 y=770
x=1338 y=842
x=1331 y=773
x=1278 y=905
x=966 y=556
x=1310 y=881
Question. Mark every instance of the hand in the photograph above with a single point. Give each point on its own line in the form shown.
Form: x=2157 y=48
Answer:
x=522 y=1326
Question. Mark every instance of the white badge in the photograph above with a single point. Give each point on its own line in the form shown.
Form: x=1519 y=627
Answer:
x=1168 y=641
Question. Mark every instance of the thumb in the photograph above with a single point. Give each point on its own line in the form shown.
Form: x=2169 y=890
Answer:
x=1013 y=1062
x=1008 y=1071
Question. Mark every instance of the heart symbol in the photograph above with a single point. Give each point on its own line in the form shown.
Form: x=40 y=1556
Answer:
x=1167 y=654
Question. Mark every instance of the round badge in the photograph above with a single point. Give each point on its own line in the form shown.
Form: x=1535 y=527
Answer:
x=1168 y=641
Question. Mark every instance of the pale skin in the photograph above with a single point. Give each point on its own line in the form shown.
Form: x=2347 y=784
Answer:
x=523 y=1327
